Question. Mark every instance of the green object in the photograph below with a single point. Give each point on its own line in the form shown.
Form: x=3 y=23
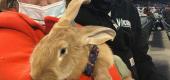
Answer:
x=121 y=66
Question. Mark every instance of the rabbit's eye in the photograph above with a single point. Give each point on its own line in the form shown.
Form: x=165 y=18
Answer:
x=62 y=51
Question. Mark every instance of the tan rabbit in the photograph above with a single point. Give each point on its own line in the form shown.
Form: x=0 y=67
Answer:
x=63 y=53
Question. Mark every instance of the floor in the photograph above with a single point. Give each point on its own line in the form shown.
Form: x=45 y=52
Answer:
x=160 y=51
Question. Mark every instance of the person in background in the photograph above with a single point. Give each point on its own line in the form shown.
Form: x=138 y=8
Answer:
x=146 y=69
x=129 y=44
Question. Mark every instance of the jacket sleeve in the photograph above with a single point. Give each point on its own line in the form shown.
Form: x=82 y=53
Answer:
x=15 y=50
x=140 y=41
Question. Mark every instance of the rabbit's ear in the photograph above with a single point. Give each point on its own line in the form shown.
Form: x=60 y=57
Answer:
x=97 y=35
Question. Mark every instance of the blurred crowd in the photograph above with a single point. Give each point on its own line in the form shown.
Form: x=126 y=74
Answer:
x=159 y=14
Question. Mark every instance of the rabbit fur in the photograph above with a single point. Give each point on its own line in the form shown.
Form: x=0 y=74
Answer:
x=63 y=53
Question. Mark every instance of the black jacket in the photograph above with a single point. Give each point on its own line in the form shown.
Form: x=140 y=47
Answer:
x=129 y=42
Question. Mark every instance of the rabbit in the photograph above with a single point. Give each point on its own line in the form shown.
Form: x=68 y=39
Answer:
x=63 y=53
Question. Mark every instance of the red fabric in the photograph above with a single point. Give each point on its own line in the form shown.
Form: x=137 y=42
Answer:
x=17 y=40
x=84 y=77
x=50 y=21
x=114 y=73
x=18 y=36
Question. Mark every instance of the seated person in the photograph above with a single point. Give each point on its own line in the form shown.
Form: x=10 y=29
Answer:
x=129 y=44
